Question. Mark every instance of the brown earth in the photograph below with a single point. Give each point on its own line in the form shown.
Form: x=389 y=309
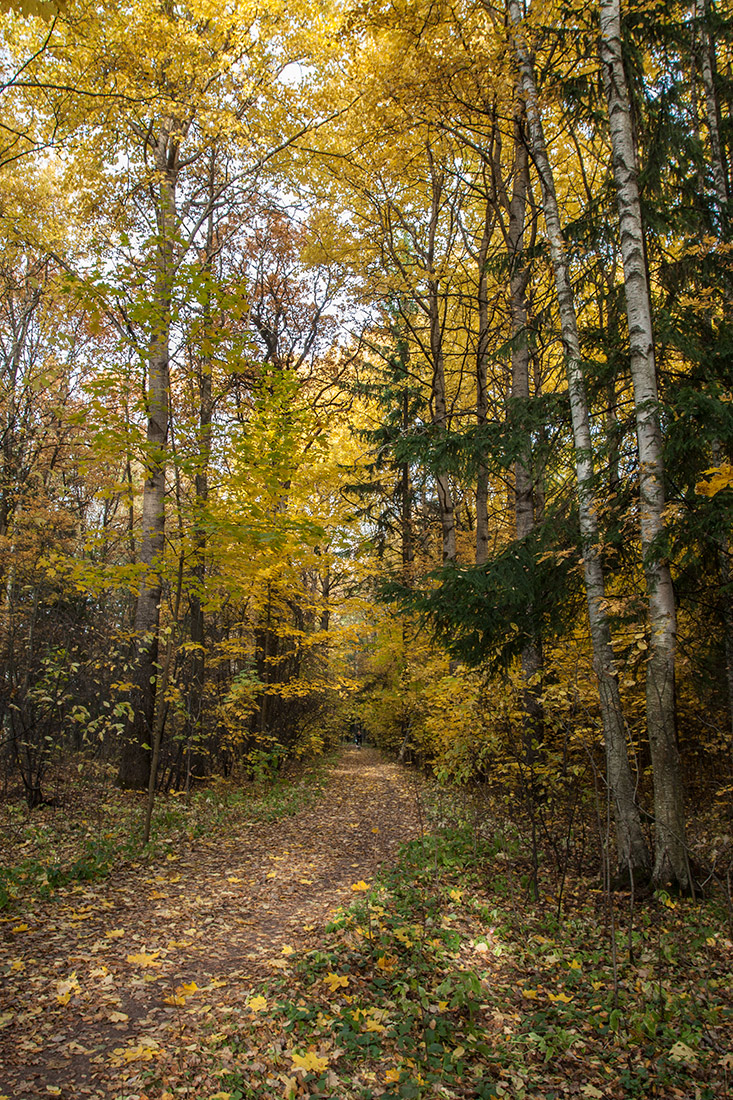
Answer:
x=91 y=979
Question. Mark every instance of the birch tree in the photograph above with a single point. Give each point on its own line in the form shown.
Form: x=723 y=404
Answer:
x=670 y=859
x=632 y=850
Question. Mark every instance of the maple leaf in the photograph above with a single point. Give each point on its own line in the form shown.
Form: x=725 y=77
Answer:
x=257 y=1004
x=114 y=933
x=358 y=886
x=392 y=1075
x=309 y=1062
x=336 y=981
x=287 y=950
x=142 y=958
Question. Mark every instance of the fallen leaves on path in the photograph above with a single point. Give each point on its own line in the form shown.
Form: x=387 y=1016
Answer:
x=100 y=981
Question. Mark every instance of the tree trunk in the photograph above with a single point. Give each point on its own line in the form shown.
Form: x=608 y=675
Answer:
x=524 y=512
x=670 y=858
x=135 y=760
x=706 y=56
x=439 y=406
x=482 y=397
x=633 y=855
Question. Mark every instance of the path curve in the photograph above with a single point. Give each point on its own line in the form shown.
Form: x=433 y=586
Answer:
x=89 y=978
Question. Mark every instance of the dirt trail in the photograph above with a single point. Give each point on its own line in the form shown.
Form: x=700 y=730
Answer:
x=83 y=997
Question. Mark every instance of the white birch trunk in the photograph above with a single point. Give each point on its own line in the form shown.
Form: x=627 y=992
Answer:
x=670 y=858
x=632 y=850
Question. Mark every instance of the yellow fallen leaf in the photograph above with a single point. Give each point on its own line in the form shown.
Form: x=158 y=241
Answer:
x=387 y=963
x=142 y=958
x=357 y=886
x=174 y=999
x=272 y=874
x=114 y=933
x=336 y=981
x=257 y=1004
x=290 y=1085
x=310 y=1062
x=118 y=1017
x=392 y=1075
x=455 y=895
x=54 y=1090
x=563 y=997
x=188 y=988
x=19 y=928
x=375 y=829
x=287 y=950
x=306 y=881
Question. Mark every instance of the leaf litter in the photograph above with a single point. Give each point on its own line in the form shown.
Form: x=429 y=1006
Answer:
x=107 y=977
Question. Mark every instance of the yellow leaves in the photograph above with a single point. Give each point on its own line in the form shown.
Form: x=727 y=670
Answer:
x=181 y=994
x=257 y=1004
x=336 y=981
x=67 y=989
x=716 y=479
x=392 y=1076
x=309 y=1063
x=145 y=1051
x=560 y=997
x=142 y=958
x=19 y=928
x=359 y=887
x=387 y=963
x=114 y=933
x=455 y=895
x=118 y=1017
x=287 y=950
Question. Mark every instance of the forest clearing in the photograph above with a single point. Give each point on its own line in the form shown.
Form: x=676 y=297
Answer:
x=366 y=583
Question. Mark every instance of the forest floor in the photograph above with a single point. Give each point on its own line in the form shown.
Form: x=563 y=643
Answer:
x=90 y=975
x=362 y=938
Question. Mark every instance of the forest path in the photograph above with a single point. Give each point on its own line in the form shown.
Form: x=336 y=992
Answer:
x=85 y=979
